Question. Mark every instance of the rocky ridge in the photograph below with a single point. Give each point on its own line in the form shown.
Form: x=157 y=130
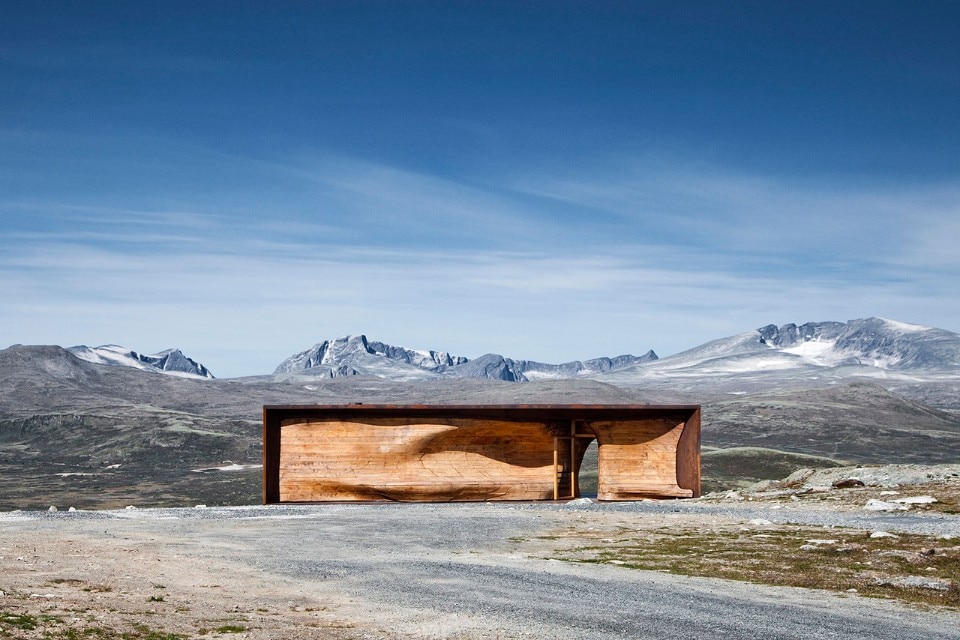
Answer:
x=357 y=355
x=172 y=361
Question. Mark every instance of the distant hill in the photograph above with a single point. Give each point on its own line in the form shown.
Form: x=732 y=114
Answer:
x=90 y=435
x=105 y=430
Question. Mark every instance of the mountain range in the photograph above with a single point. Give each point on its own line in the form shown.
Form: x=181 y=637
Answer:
x=356 y=355
x=108 y=426
x=872 y=347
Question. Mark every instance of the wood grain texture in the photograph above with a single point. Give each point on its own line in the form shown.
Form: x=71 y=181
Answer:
x=638 y=459
x=457 y=453
x=400 y=459
x=688 y=455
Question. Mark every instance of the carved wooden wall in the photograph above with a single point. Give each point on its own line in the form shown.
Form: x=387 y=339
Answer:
x=483 y=452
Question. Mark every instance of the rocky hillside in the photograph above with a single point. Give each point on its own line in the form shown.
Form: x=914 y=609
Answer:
x=871 y=391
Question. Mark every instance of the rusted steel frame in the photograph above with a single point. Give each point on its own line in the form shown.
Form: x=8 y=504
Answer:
x=520 y=412
x=271 y=456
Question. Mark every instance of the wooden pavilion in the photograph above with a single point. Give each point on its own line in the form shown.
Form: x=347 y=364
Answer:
x=359 y=452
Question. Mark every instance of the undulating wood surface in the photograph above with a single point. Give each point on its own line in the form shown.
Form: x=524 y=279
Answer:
x=402 y=459
x=473 y=452
x=638 y=459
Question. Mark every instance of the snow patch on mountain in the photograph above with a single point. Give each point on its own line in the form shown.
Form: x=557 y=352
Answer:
x=873 y=342
x=818 y=352
x=904 y=327
x=170 y=361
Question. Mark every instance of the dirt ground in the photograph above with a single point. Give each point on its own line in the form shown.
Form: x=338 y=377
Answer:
x=404 y=571
x=67 y=586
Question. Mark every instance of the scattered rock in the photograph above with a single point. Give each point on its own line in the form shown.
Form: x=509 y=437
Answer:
x=777 y=493
x=915 y=582
x=928 y=552
x=52 y=509
x=760 y=522
x=815 y=488
x=889 y=493
x=848 y=483
x=808 y=547
x=579 y=502
x=883 y=534
x=879 y=505
x=851 y=591
x=916 y=500
x=200 y=506
x=72 y=509
x=128 y=507
x=764 y=486
x=891 y=477
x=819 y=542
x=798 y=477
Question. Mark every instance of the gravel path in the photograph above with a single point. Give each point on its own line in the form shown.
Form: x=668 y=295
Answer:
x=451 y=571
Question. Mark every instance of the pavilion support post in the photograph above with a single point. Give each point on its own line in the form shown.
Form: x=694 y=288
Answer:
x=573 y=459
x=556 y=468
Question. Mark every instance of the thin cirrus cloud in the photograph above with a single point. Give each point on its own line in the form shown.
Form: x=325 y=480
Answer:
x=768 y=217
x=395 y=205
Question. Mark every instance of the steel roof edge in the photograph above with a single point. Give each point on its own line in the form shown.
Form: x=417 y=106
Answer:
x=361 y=406
x=489 y=411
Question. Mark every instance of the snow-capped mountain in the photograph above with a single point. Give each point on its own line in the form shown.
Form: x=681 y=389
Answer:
x=872 y=347
x=356 y=355
x=877 y=342
x=170 y=361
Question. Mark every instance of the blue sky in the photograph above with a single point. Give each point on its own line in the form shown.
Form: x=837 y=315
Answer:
x=551 y=181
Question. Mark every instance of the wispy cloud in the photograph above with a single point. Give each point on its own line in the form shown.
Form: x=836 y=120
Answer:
x=281 y=177
x=535 y=306
x=393 y=204
x=468 y=266
x=813 y=221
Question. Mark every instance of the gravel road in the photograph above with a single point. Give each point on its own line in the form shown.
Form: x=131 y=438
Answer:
x=455 y=571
